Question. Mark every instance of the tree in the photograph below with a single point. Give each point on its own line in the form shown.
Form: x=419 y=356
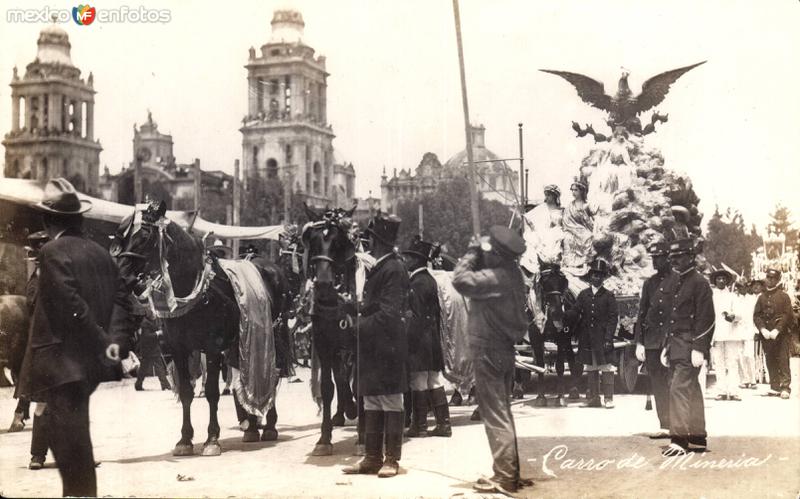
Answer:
x=781 y=223
x=446 y=216
x=728 y=242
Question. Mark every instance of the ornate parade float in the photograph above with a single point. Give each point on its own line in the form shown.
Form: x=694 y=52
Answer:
x=624 y=197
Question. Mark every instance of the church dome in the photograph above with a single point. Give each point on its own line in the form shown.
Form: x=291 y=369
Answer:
x=479 y=153
x=54 y=46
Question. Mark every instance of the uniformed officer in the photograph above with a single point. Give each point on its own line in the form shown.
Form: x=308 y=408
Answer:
x=774 y=319
x=691 y=328
x=382 y=348
x=597 y=315
x=650 y=330
x=425 y=357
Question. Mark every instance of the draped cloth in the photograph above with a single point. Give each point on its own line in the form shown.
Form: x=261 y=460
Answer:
x=257 y=377
x=458 y=368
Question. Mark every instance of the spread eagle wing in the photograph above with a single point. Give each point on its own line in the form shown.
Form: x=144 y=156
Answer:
x=589 y=90
x=655 y=89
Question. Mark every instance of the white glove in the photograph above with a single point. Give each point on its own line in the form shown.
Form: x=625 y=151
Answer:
x=640 y=352
x=764 y=333
x=697 y=358
x=664 y=359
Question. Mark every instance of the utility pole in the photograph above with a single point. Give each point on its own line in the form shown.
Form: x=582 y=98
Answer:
x=237 y=192
x=521 y=181
x=473 y=191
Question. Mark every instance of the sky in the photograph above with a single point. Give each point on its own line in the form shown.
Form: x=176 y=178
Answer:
x=394 y=90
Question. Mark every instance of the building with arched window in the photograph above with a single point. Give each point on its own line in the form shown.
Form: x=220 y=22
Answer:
x=52 y=122
x=285 y=133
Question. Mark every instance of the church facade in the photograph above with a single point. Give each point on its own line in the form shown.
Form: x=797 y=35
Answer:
x=52 y=123
x=285 y=133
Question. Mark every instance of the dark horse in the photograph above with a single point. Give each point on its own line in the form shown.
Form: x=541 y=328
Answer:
x=550 y=304
x=331 y=263
x=208 y=317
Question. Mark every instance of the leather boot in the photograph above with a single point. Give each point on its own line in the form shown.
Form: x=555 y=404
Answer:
x=442 y=413
x=394 y=444
x=419 y=415
x=373 y=444
x=608 y=390
x=593 y=397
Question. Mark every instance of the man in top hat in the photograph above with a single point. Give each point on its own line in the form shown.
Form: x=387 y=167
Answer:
x=425 y=357
x=774 y=320
x=596 y=314
x=382 y=351
x=691 y=328
x=728 y=343
x=489 y=275
x=650 y=330
x=79 y=331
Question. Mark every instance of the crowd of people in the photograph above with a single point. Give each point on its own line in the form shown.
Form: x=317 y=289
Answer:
x=83 y=321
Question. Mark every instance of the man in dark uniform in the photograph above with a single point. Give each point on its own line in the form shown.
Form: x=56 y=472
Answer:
x=425 y=357
x=650 y=331
x=691 y=328
x=774 y=320
x=597 y=316
x=150 y=351
x=80 y=330
x=489 y=275
x=382 y=350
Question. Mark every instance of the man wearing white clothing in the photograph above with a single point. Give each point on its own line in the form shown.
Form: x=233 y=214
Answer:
x=728 y=343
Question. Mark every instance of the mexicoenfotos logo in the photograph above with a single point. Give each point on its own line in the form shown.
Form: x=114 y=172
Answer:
x=84 y=15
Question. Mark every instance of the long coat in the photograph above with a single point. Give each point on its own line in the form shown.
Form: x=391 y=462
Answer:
x=382 y=344
x=424 y=335
x=597 y=316
x=81 y=307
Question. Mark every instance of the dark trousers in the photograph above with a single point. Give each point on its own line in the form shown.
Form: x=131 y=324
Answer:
x=686 y=410
x=40 y=435
x=494 y=375
x=659 y=381
x=777 y=353
x=146 y=368
x=69 y=438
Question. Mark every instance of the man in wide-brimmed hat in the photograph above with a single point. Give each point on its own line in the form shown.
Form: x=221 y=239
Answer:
x=490 y=276
x=382 y=348
x=774 y=319
x=728 y=343
x=650 y=330
x=80 y=330
x=597 y=314
x=691 y=328
x=425 y=356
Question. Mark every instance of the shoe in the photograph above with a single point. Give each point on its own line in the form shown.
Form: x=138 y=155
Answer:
x=373 y=446
x=659 y=434
x=608 y=404
x=139 y=388
x=18 y=423
x=785 y=395
x=442 y=413
x=493 y=486
x=37 y=463
x=721 y=396
x=389 y=469
x=593 y=402
x=735 y=398
x=393 y=449
x=673 y=450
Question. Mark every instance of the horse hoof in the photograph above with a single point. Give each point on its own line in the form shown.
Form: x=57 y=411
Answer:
x=540 y=401
x=250 y=436
x=351 y=410
x=183 y=450
x=456 y=400
x=269 y=435
x=337 y=420
x=322 y=450
x=476 y=415
x=212 y=449
x=360 y=450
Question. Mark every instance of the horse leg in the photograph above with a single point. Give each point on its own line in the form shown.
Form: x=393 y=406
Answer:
x=270 y=433
x=537 y=342
x=213 y=366
x=184 y=446
x=345 y=406
x=575 y=372
x=560 y=401
x=324 y=447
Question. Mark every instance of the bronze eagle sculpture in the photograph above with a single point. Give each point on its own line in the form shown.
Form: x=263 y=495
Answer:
x=623 y=108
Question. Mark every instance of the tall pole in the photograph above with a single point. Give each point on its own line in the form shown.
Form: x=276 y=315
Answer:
x=137 y=180
x=198 y=185
x=421 y=223
x=237 y=193
x=521 y=179
x=473 y=191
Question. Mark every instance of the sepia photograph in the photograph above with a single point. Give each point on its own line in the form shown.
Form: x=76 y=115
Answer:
x=390 y=249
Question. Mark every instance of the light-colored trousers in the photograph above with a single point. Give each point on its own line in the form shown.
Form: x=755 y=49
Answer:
x=421 y=381
x=725 y=355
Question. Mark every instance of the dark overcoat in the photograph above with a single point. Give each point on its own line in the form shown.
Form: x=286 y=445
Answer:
x=82 y=306
x=382 y=344
x=596 y=324
x=424 y=334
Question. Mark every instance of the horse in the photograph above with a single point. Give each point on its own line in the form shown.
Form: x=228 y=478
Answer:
x=549 y=301
x=331 y=265
x=159 y=259
x=14 y=322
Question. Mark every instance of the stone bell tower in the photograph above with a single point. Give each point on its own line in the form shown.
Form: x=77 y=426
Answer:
x=52 y=124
